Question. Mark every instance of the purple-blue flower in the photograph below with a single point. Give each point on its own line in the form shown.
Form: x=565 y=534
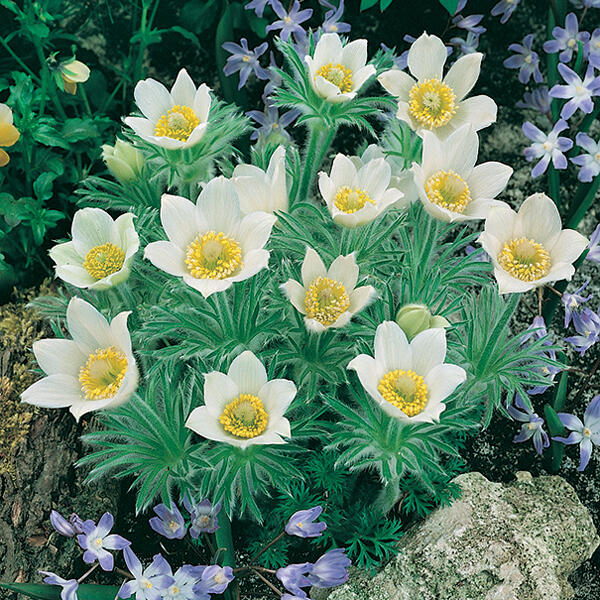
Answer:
x=547 y=147
x=526 y=60
x=573 y=301
x=538 y=99
x=592 y=49
x=293 y=578
x=258 y=6
x=272 y=125
x=302 y=523
x=587 y=325
x=332 y=23
x=69 y=586
x=289 y=22
x=566 y=40
x=96 y=542
x=504 y=8
x=586 y=434
x=480 y=255
x=147 y=584
x=470 y=23
x=590 y=161
x=245 y=61
x=215 y=580
x=68 y=528
x=586 y=3
x=169 y=522
x=400 y=62
x=185 y=580
x=467 y=46
x=203 y=516
x=579 y=92
x=594 y=246
x=331 y=569
x=533 y=425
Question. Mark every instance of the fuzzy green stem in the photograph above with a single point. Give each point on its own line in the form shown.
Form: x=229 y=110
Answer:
x=225 y=542
x=554 y=184
x=318 y=142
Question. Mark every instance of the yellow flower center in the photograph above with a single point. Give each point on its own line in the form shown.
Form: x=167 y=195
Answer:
x=325 y=300
x=174 y=590
x=245 y=417
x=432 y=103
x=213 y=256
x=405 y=390
x=525 y=259
x=102 y=375
x=178 y=123
x=102 y=261
x=173 y=525
x=350 y=200
x=339 y=75
x=448 y=190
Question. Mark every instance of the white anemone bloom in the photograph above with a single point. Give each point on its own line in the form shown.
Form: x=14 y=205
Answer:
x=328 y=297
x=210 y=244
x=429 y=101
x=176 y=119
x=401 y=179
x=409 y=381
x=242 y=408
x=96 y=369
x=101 y=251
x=262 y=191
x=337 y=72
x=530 y=248
x=451 y=187
x=357 y=196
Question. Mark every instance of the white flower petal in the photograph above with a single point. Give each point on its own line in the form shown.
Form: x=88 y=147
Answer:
x=295 y=293
x=361 y=297
x=428 y=350
x=463 y=74
x=391 y=347
x=343 y=171
x=219 y=205
x=254 y=261
x=92 y=227
x=204 y=424
x=354 y=55
x=76 y=276
x=120 y=332
x=255 y=229
x=248 y=372
x=538 y=219
x=207 y=287
x=54 y=391
x=143 y=127
x=442 y=380
x=56 y=356
x=345 y=270
x=568 y=247
x=167 y=257
x=488 y=179
x=178 y=218
x=65 y=254
x=374 y=177
x=183 y=90
x=152 y=98
x=312 y=267
x=202 y=103
x=360 y=77
x=397 y=83
x=501 y=222
x=369 y=372
x=219 y=391
x=460 y=149
x=479 y=111
x=328 y=49
x=276 y=396
x=511 y=285
x=426 y=57
x=480 y=208
x=87 y=326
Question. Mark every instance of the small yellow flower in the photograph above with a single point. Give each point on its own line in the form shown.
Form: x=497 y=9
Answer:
x=9 y=134
x=72 y=73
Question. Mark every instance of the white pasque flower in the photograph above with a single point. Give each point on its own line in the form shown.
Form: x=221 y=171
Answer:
x=337 y=72
x=262 y=191
x=328 y=297
x=357 y=196
x=435 y=102
x=530 y=248
x=210 y=245
x=172 y=120
x=409 y=381
x=101 y=252
x=96 y=369
x=401 y=179
x=450 y=186
x=242 y=408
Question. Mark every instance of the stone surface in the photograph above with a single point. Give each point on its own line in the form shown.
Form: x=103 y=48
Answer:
x=517 y=541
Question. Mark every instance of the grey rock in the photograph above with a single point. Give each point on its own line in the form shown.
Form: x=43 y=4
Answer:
x=517 y=541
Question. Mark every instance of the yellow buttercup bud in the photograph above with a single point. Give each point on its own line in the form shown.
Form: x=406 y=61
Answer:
x=414 y=318
x=123 y=160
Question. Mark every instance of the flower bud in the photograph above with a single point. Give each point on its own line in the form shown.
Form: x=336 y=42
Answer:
x=123 y=160
x=72 y=73
x=414 y=318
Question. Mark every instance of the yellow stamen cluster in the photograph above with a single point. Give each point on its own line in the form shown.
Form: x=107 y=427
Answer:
x=525 y=259
x=405 y=390
x=102 y=261
x=432 y=103
x=178 y=123
x=245 y=417
x=103 y=374
x=339 y=75
x=325 y=300
x=448 y=190
x=350 y=200
x=213 y=256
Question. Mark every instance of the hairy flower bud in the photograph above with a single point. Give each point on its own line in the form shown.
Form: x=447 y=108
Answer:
x=414 y=318
x=123 y=160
